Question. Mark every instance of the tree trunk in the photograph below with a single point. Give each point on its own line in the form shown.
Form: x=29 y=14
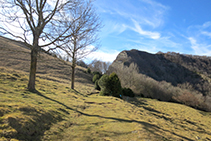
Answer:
x=73 y=64
x=73 y=76
x=33 y=66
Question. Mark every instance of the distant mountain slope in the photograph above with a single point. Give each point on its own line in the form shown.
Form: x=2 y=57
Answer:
x=184 y=71
x=15 y=55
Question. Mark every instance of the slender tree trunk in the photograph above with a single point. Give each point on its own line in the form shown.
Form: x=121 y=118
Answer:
x=73 y=64
x=73 y=71
x=33 y=66
x=73 y=76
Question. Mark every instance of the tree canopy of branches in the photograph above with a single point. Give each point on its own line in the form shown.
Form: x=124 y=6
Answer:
x=99 y=66
x=39 y=24
x=84 y=26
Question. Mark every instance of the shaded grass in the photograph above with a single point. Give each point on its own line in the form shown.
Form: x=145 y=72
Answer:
x=55 y=112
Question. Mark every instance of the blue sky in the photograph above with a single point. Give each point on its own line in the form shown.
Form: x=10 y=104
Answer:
x=182 y=26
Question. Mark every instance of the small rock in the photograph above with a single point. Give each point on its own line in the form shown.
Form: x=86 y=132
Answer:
x=198 y=138
x=135 y=131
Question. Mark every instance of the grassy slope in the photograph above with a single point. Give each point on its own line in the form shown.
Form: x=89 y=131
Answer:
x=14 y=55
x=56 y=112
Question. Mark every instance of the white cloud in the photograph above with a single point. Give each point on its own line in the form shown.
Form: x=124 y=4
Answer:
x=206 y=24
x=206 y=33
x=194 y=45
x=106 y=56
x=112 y=27
x=152 y=35
x=199 y=38
x=155 y=13
x=200 y=49
x=149 y=14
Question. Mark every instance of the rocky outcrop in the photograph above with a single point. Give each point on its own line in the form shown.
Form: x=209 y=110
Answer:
x=191 y=72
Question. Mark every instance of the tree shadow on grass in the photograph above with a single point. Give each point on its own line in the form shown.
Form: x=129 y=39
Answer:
x=153 y=129
x=32 y=129
x=77 y=92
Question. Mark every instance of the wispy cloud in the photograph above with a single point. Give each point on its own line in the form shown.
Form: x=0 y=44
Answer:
x=112 y=27
x=206 y=24
x=206 y=33
x=150 y=34
x=155 y=13
x=149 y=16
x=163 y=44
x=200 y=48
x=199 y=38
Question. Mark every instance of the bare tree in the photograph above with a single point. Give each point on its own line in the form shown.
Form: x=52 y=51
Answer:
x=84 y=27
x=105 y=66
x=99 y=66
x=96 y=65
x=38 y=23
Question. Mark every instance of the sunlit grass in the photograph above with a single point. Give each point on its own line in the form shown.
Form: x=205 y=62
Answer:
x=56 y=112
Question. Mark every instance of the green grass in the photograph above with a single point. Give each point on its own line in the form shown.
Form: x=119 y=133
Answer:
x=56 y=112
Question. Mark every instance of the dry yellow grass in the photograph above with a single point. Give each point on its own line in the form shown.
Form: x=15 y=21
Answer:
x=56 y=112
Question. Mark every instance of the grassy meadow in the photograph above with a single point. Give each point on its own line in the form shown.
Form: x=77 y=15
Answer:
x=55 y=112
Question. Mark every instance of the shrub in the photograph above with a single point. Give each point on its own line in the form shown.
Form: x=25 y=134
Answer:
x=96 y=77
x=97 y=87
x=127 y=92
x=104 y=85
x=188 y=99
x=103 y=82
x=96 y=72
x=110 y=85
x=115 y=85
x=88 y=70
x=105 y=92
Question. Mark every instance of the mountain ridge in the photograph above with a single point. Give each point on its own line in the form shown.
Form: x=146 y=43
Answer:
x=186 y=72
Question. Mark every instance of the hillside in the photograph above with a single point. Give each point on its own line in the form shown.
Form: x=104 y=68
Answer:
x=165 y=71
x=16 y=55
x=57 y=112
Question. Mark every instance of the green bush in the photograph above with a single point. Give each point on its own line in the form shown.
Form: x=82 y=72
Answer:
x=88 y=70
x=97 y=87
x=110 y=85
x=104 y=85
x=96 y=77
x=115 y=85
x=105 y=92
x=96 y=72
x=127 y=92
x=103 y=82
